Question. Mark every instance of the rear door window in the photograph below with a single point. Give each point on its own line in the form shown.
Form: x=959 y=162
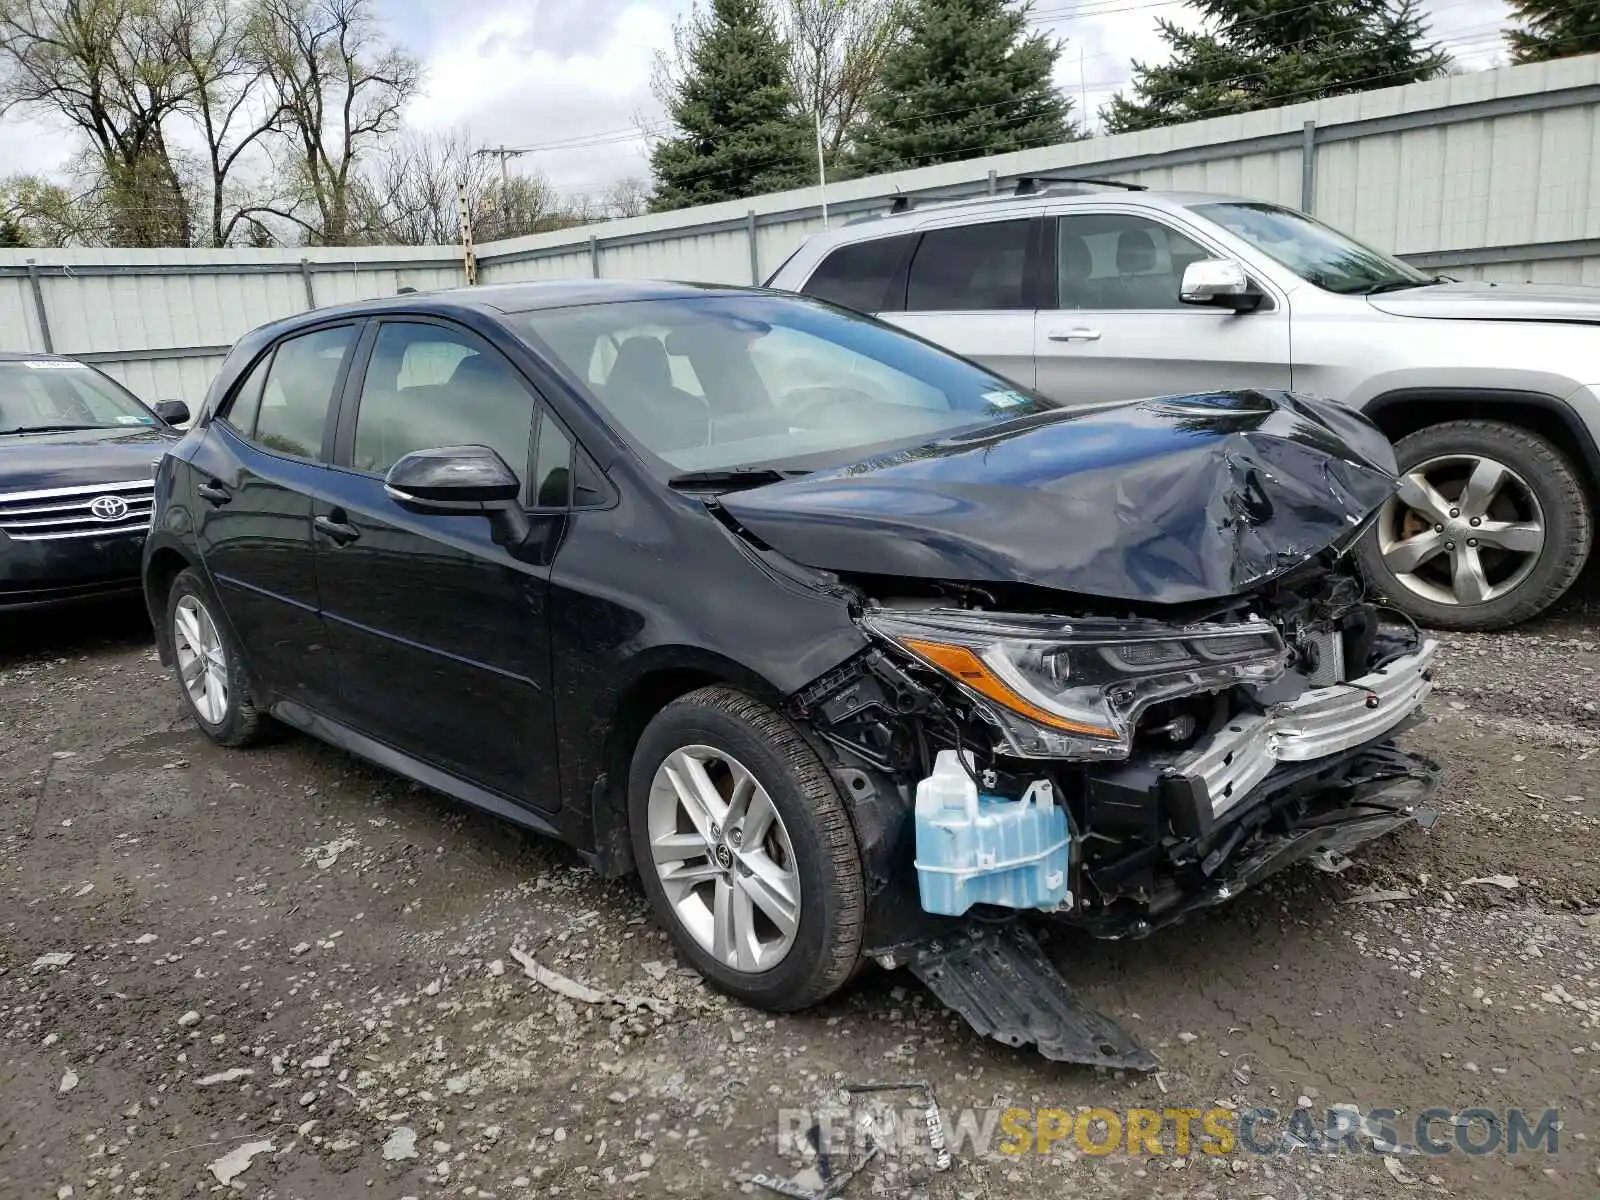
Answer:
x=860 y=275
x=970 y=268
x=298 y=391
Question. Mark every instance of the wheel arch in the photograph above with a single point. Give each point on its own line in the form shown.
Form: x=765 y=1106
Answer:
x=1404 y=411
x=659 y=679
x=163 y=564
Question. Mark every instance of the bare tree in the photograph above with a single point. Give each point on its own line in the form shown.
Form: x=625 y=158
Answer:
x=411 y=195
x=836 y=53
x=111 y=69
x=627 y=197
x=49 y=214
x=341 y=87
x=231 y=104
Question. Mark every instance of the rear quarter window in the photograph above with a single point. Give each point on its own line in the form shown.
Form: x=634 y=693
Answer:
x=860 y=275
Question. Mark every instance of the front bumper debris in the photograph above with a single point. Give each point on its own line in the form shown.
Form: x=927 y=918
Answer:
x=997 y=978
x=1000 y=981
x=1321 y=723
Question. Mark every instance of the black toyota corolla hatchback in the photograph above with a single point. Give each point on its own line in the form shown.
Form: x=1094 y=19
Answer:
x=77 y=451
x=702 y=580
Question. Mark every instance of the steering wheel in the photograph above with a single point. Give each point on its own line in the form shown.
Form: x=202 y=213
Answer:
x=806 y=404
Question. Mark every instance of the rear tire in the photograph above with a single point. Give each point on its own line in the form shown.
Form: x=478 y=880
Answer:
x=1485 y=555
x=208 y=665
x=736 y=826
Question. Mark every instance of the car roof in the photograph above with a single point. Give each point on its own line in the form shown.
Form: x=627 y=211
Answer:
x=516 y=297
x=885 y=224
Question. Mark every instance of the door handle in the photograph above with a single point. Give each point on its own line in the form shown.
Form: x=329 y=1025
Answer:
x=340 y=533
x=1074 y=335
x=214 y=492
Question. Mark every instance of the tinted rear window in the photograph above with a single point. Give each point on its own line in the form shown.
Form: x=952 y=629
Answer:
x=970 y=268
x=859 y=275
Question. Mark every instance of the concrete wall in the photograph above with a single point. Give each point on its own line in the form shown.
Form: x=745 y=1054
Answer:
x=1494 y=174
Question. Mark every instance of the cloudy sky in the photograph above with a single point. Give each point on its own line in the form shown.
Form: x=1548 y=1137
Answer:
x=571 y=78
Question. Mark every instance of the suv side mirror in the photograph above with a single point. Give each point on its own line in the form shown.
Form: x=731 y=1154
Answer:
x=173 y=412
x=1219 y=283
x=460 y=481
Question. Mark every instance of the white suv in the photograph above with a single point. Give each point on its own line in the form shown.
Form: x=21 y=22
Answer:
x=1489 y=391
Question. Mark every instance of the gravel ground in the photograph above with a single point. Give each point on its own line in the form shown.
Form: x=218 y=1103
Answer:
x=288 y=970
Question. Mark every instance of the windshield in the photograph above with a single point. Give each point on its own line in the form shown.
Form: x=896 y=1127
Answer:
x=722 y=381
x=38 y=395
x=1313 y=251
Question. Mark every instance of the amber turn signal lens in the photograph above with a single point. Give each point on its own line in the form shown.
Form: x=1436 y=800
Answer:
x=963 y=665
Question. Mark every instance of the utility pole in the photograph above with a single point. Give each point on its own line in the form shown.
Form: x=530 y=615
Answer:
x=469 y=256
x=502 y=154
x=822 y=170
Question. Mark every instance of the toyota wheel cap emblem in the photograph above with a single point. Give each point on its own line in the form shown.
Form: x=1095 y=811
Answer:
x=109 y=508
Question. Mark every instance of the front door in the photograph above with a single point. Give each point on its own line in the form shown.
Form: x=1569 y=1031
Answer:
x=442 y=637
x=250 y=482
x=1119 y=332
x=968 y=289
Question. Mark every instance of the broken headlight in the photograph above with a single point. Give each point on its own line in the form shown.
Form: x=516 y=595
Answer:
x=1074 y=689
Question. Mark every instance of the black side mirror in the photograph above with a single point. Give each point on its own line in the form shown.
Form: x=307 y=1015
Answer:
x=173 y=412
x=460 y=481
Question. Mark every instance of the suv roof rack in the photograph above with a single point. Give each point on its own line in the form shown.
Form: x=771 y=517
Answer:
x=1032 y=185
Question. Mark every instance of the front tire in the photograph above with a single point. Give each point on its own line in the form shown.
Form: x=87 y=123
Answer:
x=746 y=851
x=209 y=667
x=1491 y=526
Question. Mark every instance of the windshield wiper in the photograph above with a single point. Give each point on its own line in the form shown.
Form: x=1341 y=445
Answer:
x=49 y=428
x=1397 y=285
x=732 y=477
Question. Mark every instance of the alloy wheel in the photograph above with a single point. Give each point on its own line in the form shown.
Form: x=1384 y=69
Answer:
x=1463 y=529
x=724 y=858
x=202 y=661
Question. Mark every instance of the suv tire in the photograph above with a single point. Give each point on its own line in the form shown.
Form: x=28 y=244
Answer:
x=714 y=878
x=1538 y=502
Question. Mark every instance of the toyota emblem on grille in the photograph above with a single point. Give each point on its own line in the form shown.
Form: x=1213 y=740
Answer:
x=109 y=508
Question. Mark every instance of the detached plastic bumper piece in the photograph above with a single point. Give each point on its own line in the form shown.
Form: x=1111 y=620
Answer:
x=999 y=980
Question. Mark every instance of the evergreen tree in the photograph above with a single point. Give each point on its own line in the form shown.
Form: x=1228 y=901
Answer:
x=739 y=129
x=967 y=80
x=1554 y=29
x=1254 y=54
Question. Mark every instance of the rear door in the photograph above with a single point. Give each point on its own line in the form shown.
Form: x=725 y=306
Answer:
x=250 y=483
x=443 y=637
x=1116 y=329
x=971 y=287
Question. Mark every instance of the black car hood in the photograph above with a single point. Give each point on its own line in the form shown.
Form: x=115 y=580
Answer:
x=1170 y=500
x=32 y=462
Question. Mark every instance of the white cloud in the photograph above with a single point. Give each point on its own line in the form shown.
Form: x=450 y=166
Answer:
x=506 y=81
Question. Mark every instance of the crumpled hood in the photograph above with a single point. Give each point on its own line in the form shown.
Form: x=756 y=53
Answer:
x=1479 y=301
x=32 y=462
x=1170 y=500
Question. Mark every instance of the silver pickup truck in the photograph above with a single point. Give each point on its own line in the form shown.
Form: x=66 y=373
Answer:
x=1491 y=392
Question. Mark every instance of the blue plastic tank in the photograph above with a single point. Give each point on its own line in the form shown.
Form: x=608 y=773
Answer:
x=977 y=848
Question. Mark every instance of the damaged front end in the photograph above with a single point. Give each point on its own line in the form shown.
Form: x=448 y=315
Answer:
x=1187 y=759
x=1116 y=668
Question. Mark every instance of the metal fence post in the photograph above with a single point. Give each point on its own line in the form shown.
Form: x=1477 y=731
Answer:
x=305 y=274
x=994 y=182
x=38 y=306
x=1308 y=166
x=755 y=256
x=594 y=257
